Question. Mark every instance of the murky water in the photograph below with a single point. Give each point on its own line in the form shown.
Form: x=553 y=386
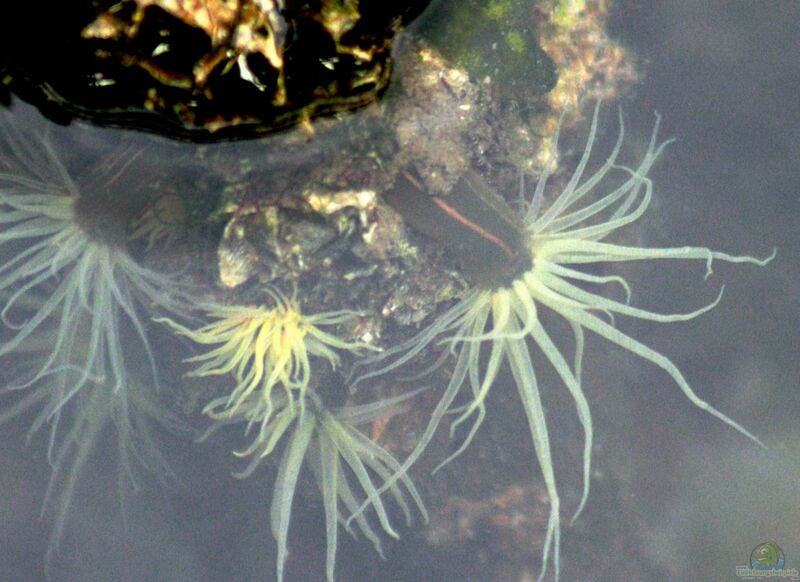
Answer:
x=675 y=494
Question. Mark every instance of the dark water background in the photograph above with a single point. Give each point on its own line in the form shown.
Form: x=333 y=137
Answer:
x=696 y=496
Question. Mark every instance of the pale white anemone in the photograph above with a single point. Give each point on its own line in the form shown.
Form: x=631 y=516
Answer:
x=341 y=458
x=69 y=301
x=61 y=257
x=490 y=326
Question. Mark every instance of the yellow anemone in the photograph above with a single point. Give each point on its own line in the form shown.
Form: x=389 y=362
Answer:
x=264 y=347
x=340 y=458
x=563 y=236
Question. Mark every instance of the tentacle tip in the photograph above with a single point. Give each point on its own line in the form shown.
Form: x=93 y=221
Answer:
x=447 y=461
x=576 y=515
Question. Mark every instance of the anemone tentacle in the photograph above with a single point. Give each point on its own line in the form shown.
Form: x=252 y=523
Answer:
x=78 y=428
x=562 y=236
x=84 y=278
x=264 y=347
x=70 y=302
x=339 y=456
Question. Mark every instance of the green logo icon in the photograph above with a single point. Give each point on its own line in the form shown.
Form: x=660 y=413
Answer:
x=767 y=556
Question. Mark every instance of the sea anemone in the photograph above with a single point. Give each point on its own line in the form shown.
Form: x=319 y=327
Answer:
x=80 y=430
x=340 y=457
x=70 y=297
x=264 y=347
x=68 y=258
x=499 y=318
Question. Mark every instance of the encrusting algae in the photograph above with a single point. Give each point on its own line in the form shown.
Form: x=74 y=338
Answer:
x=493 y=323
